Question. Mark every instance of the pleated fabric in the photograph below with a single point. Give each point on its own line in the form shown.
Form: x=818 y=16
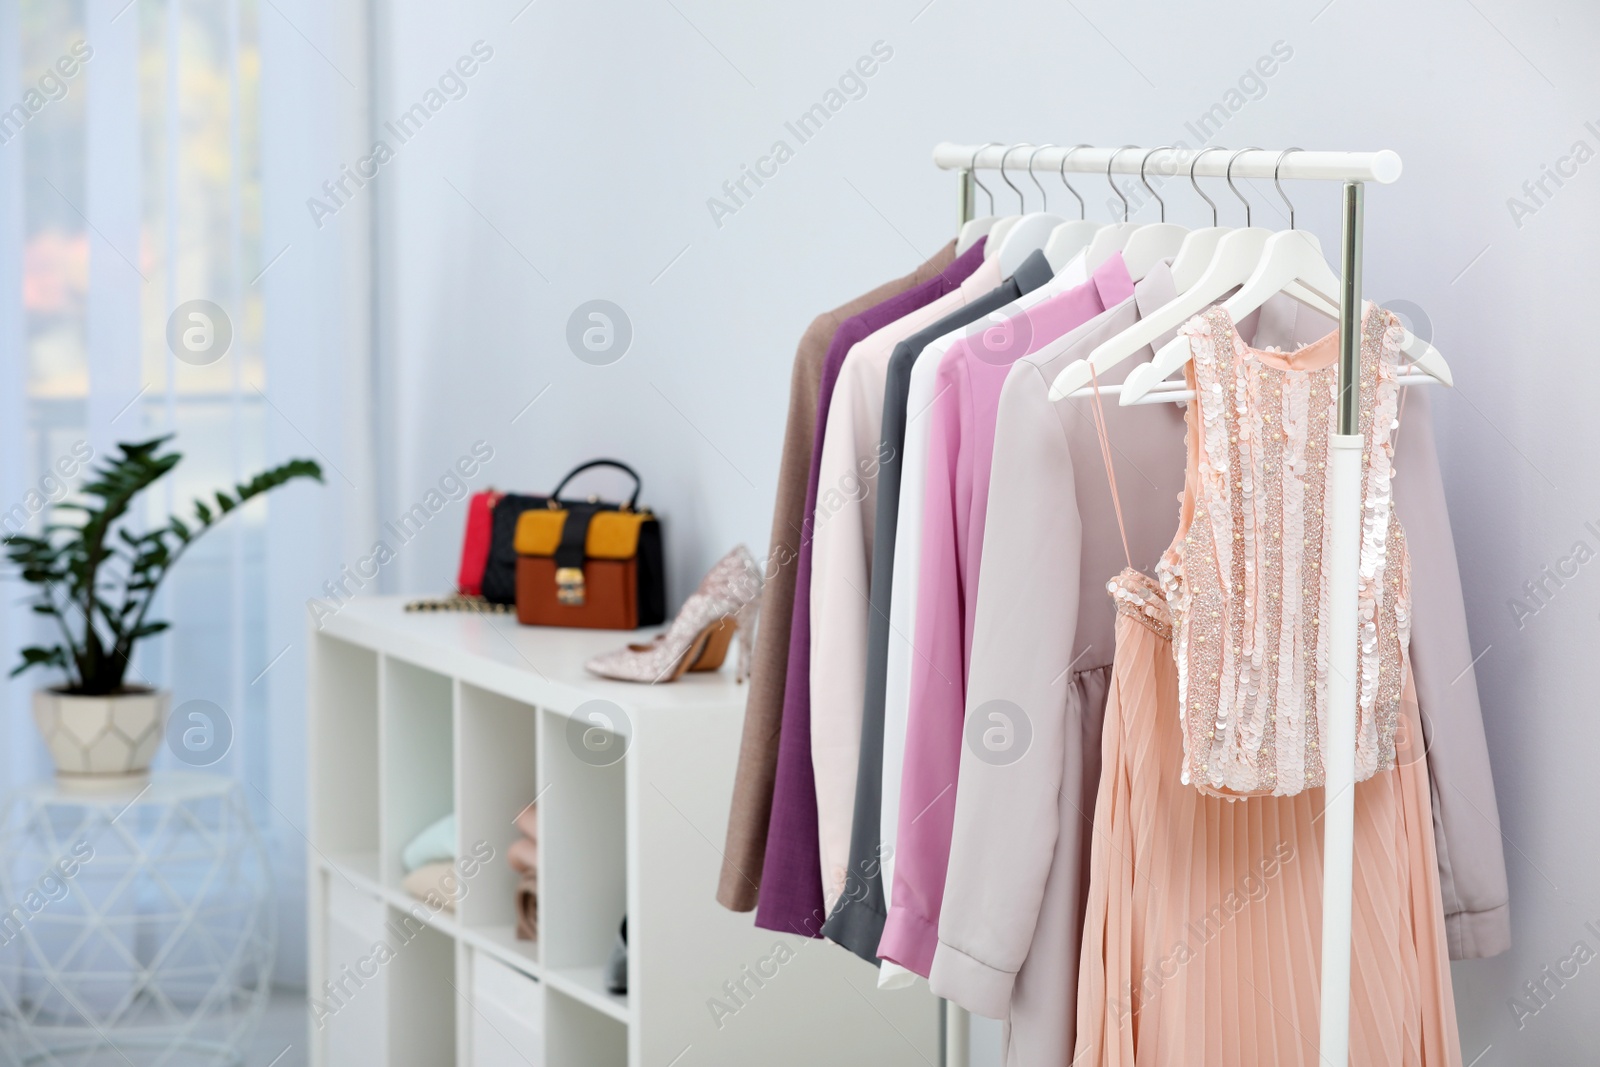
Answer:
x=1202 y=938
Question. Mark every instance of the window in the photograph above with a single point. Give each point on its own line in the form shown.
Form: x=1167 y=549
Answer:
x=132 y=202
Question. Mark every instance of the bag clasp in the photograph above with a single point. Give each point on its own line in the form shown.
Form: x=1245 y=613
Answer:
x=570 y=586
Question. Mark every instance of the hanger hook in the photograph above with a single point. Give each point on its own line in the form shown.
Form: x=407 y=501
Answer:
x=1142 y=181
x=1277 y=167
x=1235 y=188
x=1044 y=198
x=1075 y=194
x=1192 y=161
x=1022 y=203
x=972 y=166
x=1109 y=164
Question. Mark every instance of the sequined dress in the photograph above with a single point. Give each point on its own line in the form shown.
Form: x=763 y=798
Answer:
x=1244 y=580
x=1202 y=932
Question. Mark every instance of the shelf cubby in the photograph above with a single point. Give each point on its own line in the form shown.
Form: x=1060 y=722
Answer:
x=416 y=757
x=423 y=1004
x=497 y=747
x=507 y=1027
x=583 y=894
x=577 y=1036
x=344 y=744
x=349 y=996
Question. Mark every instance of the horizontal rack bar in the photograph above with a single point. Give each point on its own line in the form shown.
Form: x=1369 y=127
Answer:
x=1382 y=167
x=1174 y=390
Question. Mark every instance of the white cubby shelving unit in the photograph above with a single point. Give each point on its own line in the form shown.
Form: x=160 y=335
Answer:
x=413 y=716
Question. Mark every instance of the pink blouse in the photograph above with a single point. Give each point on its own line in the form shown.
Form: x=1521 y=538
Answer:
x=961 y=446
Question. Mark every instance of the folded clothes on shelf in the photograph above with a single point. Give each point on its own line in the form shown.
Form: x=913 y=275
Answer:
x=527 y=822
x=436 y=844
x=528 y=908
x=523 y=856
x=437 y=885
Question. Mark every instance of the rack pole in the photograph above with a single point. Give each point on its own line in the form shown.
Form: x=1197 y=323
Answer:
x=955 y=1030
x=1339 y=745
x=1354 y=205
x=968 y=194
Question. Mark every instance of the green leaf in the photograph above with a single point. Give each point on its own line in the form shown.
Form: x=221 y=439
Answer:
x=35 y=656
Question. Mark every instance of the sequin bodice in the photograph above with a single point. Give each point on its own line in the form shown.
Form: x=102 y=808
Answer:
x=1244 y=580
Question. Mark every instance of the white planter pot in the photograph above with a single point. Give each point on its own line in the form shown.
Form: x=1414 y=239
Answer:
x=102 y=741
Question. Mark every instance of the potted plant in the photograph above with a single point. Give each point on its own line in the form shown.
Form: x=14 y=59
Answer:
x=97 y=578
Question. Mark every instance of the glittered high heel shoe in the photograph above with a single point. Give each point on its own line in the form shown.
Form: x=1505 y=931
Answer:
x=725 y=606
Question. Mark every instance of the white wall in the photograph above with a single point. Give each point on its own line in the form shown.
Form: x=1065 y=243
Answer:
x=586 y=148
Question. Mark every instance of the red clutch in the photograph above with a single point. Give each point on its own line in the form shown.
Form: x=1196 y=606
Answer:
x=475 y=544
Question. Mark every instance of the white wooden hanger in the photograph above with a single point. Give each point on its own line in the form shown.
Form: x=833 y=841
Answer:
x=1152 y=243
x=1237 y=254
x=1073 y=236
x=974 y=230
x=1291 y=262
x=997 y=236
x=1002 y=226
x=1032 y=231
x=1113 y=238
x=1197 y=250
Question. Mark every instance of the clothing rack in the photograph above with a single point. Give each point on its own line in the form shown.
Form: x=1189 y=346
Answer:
x=1352 y=170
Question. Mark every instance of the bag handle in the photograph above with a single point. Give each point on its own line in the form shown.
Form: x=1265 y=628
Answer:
x=638 y=484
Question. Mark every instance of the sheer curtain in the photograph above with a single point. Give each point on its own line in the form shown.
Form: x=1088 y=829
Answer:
x=155 y=153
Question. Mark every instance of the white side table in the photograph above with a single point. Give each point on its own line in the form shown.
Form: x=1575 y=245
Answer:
x=135 y=927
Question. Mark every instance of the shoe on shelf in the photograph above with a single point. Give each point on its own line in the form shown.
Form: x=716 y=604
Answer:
x=726 y=604
x=617 y=964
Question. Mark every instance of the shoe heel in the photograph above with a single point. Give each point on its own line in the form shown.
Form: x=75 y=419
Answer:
x=746 y=617
x=718 y=636
x=692 y=655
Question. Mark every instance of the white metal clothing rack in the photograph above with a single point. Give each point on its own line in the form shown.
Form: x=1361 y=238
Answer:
x=1352 y=170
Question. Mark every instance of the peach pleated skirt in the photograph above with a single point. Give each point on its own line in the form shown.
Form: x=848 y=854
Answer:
x=1202 y=938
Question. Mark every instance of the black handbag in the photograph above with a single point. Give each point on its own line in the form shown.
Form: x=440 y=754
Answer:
x=500 y=572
